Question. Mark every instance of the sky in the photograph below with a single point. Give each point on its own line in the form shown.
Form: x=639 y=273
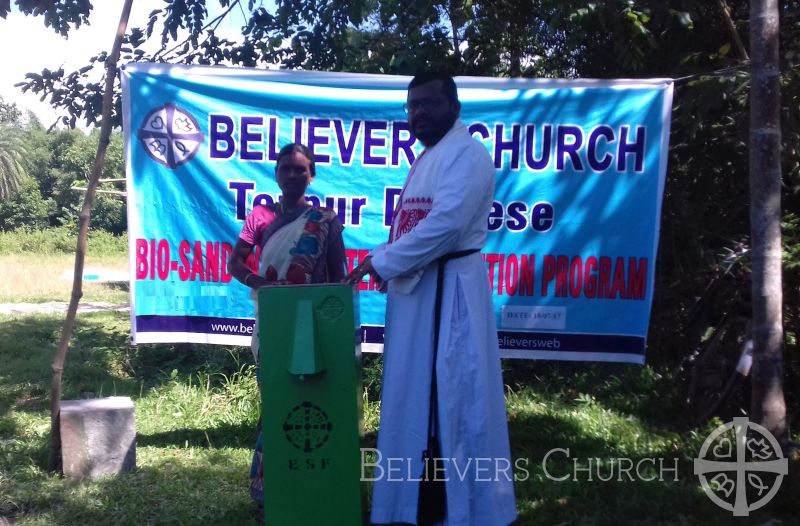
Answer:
x=40 y=47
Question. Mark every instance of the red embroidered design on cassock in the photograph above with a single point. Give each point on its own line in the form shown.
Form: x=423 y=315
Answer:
x=412 y=211
x=409 y=212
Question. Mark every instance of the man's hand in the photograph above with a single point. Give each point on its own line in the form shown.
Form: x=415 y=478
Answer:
x=362 y=270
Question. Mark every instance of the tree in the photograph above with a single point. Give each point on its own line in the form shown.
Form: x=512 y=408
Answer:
x=9 y=113
x=475 y=37
x=58 y=14
x=13 y=169
x=58 y=160
x=768 y=405
x=74 y=160
x=26 y=208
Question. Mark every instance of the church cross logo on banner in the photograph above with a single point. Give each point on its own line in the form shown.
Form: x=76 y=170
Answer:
x=170 y=135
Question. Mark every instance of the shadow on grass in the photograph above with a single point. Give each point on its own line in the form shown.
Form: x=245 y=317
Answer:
x=369 y=440
x=564 y=475
x=550 y=490
x=100 y=361
x=29 y=345
x=173 y=485
x=532 y=436
x=219 y=436
x=123 y=286
x=211 y=486
x=171 y=493
x=654 y=397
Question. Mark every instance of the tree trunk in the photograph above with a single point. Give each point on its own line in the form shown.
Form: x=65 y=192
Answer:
x=457 y=18
x=54 y=462
x=768 y=406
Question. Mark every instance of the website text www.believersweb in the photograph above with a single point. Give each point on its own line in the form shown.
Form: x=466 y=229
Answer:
x=513 y=342
x=232 y=328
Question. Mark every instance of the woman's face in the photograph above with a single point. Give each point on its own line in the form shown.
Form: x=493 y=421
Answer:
x=294 y=175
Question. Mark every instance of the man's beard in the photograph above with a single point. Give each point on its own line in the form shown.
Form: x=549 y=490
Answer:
x=434 y=132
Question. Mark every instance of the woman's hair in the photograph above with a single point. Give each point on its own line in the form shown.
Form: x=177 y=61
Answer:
x=296 y=147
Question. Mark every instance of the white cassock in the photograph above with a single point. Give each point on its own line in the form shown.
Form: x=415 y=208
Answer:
x=443 y=208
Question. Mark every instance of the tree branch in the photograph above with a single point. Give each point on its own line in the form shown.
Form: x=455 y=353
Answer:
x=737 y=41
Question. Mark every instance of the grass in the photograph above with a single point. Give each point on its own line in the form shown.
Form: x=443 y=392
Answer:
x=38 y=265
x=196 y=416
x=60 y=240
x=42 y=278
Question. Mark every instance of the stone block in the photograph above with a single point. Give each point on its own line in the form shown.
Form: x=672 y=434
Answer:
x=98 y=436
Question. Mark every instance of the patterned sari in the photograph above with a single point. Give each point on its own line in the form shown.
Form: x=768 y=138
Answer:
x=299 y=247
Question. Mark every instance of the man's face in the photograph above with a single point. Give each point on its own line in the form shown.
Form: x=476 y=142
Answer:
x=430 y=112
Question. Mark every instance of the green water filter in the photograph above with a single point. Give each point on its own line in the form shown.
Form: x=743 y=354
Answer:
x=310 y=405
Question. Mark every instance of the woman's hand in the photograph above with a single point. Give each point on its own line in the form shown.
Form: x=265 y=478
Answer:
x=254 y=281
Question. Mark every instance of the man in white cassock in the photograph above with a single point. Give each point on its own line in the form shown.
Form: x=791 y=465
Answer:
x=441 y=218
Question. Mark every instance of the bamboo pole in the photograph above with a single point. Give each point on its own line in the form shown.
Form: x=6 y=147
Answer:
x=54 y=462
x=112 y=192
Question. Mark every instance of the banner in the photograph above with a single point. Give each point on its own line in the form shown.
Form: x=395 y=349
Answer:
x=573 y=229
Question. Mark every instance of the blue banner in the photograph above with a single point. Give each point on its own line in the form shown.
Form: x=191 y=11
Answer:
x=573 y=229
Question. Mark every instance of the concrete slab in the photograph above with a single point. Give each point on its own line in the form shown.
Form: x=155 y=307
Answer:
x=98 y=436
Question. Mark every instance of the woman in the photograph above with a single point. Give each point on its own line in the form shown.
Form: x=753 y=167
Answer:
x=295 y=243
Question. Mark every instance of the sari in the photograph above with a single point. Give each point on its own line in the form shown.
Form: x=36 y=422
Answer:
x=301 y=246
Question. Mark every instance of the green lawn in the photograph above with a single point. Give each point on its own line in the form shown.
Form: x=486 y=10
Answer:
x=37 y=266
x=49 y=278
x=196 y=416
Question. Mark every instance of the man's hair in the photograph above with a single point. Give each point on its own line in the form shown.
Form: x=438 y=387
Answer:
x=297 y=147
x=448 y=84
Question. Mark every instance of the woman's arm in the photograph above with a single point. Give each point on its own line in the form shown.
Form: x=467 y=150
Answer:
x=254 y=224
x=336 y=261
x=237 y=266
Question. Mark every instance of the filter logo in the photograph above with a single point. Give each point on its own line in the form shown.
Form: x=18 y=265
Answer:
x=307 y=427
x=741 y=466
x=332 y=308
x=170 y=135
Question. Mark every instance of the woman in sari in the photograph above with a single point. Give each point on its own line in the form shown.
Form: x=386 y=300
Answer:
x=295 y=243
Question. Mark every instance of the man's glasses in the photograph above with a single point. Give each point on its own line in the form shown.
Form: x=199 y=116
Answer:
x=427 y=104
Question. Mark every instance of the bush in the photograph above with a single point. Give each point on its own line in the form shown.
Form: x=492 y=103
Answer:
x=108 y=213
x=26 y=208
x=60 y=240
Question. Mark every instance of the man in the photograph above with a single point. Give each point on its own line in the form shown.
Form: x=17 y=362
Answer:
x=442 y=213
